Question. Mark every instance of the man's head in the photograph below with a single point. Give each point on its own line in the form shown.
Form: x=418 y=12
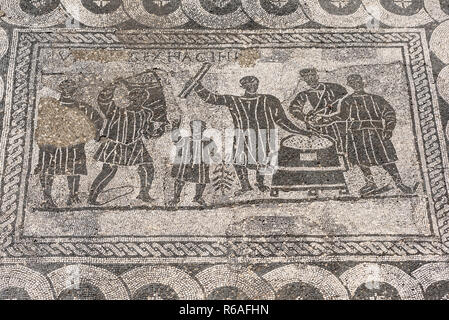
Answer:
x=67 y=87
x=198 y=127
x=250 y=84
x=355 y=81
x=138 y=96
x=310 y=76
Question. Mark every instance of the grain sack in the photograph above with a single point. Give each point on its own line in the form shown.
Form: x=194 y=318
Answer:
x=62 y=126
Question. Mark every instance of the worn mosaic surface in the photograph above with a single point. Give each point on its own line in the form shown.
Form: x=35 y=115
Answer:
x=224 y=149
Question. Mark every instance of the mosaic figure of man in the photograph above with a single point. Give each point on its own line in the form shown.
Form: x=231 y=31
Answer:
x=320 y=100
x=68 y=160
x=256 y=117
x=125 y=129
x=370 y=121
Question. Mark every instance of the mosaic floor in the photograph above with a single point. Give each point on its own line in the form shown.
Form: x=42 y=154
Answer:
x=224 y=149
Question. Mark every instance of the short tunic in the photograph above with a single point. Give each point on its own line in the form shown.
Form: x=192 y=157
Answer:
x=121 y=154
x=125 y=128
x=366 y=118
x=193 y=158
x=62 y=160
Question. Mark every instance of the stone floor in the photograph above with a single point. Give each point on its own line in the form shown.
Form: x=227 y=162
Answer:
x=224 y=149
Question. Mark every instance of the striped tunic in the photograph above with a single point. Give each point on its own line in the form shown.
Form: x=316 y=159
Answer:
x=193 y=158
x=365 y=118
x=323 y=101
x=255 y=119
x=70 y=160
x=125 y=128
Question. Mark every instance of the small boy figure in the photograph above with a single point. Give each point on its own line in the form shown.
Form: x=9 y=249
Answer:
x=193 y=157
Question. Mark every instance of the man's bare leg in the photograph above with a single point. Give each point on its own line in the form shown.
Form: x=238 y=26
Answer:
x=260 y=184
x=179 y=184
x=242 y=174
x=370 y=185
x=101 y=181
x=199 y=190
x=393 y=171
x=47 y=183
x=146 y=175
x=74 y=185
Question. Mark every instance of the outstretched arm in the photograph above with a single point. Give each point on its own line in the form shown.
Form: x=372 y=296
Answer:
x=280 y=118
x=213 y=98
x=297 y=106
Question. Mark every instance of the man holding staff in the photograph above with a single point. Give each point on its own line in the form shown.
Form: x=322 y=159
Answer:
x=256 y=118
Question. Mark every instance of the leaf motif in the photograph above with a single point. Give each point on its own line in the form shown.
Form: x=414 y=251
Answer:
x=223 y=179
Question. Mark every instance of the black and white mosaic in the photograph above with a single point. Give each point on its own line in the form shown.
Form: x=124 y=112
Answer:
x=203 y=149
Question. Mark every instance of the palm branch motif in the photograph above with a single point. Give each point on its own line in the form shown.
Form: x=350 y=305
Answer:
x=223 y=178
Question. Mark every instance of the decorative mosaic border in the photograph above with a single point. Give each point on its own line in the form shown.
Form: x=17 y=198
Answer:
x=233 y=14
x=339 y=280
x=204 y=282
x=19 y=97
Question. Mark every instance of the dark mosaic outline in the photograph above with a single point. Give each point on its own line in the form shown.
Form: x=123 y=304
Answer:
x=228 y=249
